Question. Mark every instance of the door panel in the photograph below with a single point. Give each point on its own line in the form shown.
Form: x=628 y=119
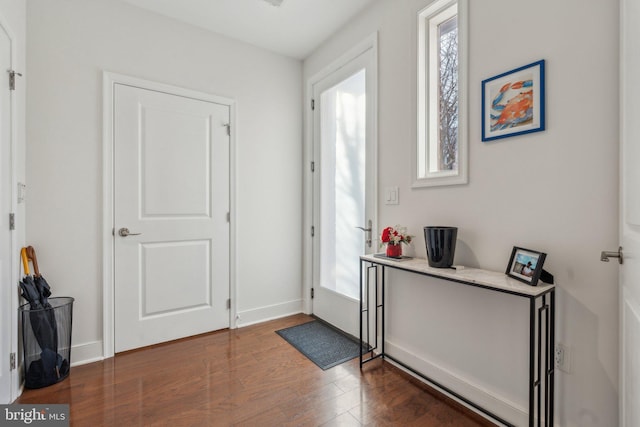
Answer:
x=344 y=187
x=630 y=217
x=169 y=168
x=167 y=263
x=171 y=192
x=630 y=362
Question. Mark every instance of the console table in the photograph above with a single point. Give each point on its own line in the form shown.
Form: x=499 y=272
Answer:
x=541 y=322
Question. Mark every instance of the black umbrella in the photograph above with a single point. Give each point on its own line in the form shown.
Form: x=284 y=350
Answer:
x=36 y=291
x=49 y=334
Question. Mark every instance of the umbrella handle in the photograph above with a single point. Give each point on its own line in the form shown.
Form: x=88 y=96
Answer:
x=25 y=261
x=31 y=254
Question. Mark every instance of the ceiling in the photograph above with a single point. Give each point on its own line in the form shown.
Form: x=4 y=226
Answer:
x=295 y=28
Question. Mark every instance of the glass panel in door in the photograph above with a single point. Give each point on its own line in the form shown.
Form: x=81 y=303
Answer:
x=342 y=189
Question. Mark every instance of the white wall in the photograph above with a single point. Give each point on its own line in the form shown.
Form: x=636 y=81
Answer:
x=70 y=43
x=555 y=191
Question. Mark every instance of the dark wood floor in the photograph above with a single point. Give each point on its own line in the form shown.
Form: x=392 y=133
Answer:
x=245 y=377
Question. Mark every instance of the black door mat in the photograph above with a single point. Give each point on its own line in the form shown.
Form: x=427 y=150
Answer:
x=322 y=344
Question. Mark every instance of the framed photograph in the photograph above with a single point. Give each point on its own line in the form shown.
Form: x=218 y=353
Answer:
x=526 y=265
x=513 y=102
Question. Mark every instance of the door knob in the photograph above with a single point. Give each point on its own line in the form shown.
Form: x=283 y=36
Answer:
x=605 y=255
x=368 y=231
x=124 y=232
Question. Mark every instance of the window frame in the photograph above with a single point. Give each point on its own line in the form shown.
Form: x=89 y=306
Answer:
x=427 y=107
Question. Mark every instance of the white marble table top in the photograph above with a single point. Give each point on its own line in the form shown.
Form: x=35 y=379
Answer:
x=471 y=276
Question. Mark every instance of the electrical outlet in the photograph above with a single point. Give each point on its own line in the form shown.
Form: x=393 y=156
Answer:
x=562 y=359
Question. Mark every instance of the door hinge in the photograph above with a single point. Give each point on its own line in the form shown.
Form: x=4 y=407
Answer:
x=12 y=221
x=313 y=166
x=313 y=231
x=12 y=361
x=12 y=79
x=228 y=126
x=229 y=304
x=313 y=104
x=313 y=293
x=228 y=216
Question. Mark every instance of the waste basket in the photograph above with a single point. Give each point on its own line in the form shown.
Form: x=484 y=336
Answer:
x=441 y=245
x=46 y=341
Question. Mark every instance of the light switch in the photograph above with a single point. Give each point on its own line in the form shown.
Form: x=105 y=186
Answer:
x=391 y=196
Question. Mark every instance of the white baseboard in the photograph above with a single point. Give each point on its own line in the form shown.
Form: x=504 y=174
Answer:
x=498 y=405
x=81 y=354
x=266 y=313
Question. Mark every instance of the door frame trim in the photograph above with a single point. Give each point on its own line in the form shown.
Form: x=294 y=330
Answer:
x=109 y=81
x=13 y=262
x=370 y=42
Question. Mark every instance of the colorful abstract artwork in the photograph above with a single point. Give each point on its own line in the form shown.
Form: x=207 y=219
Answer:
x=513 y=102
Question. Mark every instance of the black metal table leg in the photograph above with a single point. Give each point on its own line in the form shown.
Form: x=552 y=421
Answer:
x=550 y=350
x=382 y=310
x=361 y=302
x=365 y=310
x=532 y=344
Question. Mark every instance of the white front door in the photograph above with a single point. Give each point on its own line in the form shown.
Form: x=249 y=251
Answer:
x=344 y=187
x=171 y=192
x=7 y=313
x=630 y=216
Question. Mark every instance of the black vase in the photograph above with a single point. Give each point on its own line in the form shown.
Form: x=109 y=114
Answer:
x=441 y=245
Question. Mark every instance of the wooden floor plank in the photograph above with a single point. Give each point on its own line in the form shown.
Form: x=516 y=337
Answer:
x=245 y=377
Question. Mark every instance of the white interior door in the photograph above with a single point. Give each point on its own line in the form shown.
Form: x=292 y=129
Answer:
x=630 y=216
x=7 y=313
x=344 y=187
x=171 y=191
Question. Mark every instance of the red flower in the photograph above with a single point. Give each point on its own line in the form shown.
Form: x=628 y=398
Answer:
x=385 y=234
x=395 y=236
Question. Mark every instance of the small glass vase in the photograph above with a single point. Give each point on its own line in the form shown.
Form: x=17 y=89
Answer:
x=394 y=251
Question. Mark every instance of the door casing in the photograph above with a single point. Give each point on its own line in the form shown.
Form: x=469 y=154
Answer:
x=10 y=261
x=629 y=271
x=109 y=81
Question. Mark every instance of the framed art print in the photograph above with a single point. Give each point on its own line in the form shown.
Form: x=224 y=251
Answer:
x=513 y=102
